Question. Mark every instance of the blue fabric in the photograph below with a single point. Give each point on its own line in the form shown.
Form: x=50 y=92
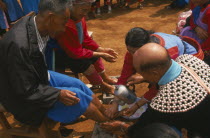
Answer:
x=61 y=112
x=172 y=40
x=172 y=73
x=189 y=49
x=2 y=21
x=30 y=5
x=80 y=32
x=196 y=12
x=51 y=44
x=14 y=10
x=181 y=3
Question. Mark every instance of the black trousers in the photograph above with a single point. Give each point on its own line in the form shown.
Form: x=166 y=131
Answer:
x=62 y=61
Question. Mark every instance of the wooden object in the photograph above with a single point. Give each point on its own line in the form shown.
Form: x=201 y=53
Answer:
x=27 y=131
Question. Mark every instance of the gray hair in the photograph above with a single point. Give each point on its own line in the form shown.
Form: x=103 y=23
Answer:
x=55 y=6
x=154 y=64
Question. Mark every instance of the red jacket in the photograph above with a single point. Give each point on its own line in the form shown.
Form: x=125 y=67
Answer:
x=129 y=70
x=69 y=41
x=206 y=19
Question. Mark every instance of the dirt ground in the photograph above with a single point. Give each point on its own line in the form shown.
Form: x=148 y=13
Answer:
x=109 y=31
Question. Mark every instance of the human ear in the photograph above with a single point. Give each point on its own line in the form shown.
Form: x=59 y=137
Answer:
x=51 y=17
x=50 y=20
x=156 y=75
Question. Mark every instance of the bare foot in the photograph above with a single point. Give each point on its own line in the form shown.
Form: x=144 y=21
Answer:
x=110 y=81
x=107 y=79
x=105 y=87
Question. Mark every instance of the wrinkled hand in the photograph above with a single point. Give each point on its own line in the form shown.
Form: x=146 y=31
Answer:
x=3 y=6
x=68 y=98
x=110 y=52
x=108 y=57
x=112 y=112
x=113 y=127
x=130 y=111
x=202 y=34
x=135 y=79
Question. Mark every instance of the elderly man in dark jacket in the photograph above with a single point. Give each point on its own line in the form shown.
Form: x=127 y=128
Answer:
x=27 y=89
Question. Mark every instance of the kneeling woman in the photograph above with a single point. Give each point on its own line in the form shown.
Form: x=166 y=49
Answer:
x=199 y=28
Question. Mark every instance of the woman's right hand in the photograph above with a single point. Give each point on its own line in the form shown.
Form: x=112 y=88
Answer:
x=130 y=111
x=105 y=56
x=108 y=57
x=135 y=79
x=111 y=52
x=202 y=34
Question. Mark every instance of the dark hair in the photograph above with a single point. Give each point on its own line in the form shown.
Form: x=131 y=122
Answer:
x=137 y=37
x=154 y=64
x=154 y=39
x=55 y=6
x=155 y=130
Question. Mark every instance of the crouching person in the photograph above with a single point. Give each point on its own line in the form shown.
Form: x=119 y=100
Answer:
x=28 y=90
x=183 y=98
x=79 y=52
